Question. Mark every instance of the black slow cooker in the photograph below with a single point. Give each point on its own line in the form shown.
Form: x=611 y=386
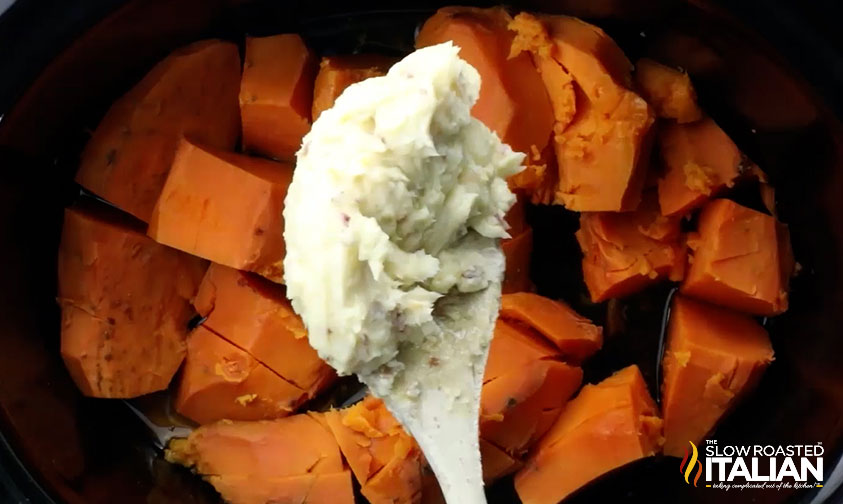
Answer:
x=769 y=71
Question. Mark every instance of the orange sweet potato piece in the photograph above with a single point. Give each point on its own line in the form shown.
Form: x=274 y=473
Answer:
x=226 y=208
x=700 y=160
x=668 y=90
x=626 y=252
x=540 y=177
x=606 y=426
x=191 y=92
x=517 y=253
x=125 y=304
x=517 y=408
x=516 y=218
x=276 y=94
x=713 y=358
x=255 y=315
x=496 y=462
x=291 y=460
x=221 y=381
x=602 y=138
x=384 y=458
x=513 y=347
x=736 y=260
x=338 y=72
x=513 y=102
x=575 y=336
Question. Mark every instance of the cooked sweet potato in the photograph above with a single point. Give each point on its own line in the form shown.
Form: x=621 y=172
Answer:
x=338 y=72
x=292 y=460
x=713 y=358
x=626 y=252
x=574 y=335
x=736 y=260
x=700 y=160
x=517 y=253
x=192 y=92
x=384 y=458
x=516 y=218
x=606 y=426
x=539 y=179
x=226 y=208
x=276 y=94
x=517 y=408
x=513 y=347
x=496 y=462
x=255 y=315
x=602 y=142
x=221 y=381
x=668 y=90
x=513 y=102
x=125 y=304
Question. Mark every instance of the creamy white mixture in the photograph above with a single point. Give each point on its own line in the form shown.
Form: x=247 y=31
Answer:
x=398 y=198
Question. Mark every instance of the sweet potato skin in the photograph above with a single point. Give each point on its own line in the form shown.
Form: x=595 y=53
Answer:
x=736 y=259
x=513 y=102
x=713 y=358
x=255 y=315
x=276 y=94
x=575 y=336
x=668 y=90
x=606 y=426
x=125 y=305
x=226 y=208
x=626 y=252
x=221 y=381
x=192 y=92
x=338 y=72
x=291 y=460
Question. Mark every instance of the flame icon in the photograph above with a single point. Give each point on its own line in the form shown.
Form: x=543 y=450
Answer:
x=688 y=466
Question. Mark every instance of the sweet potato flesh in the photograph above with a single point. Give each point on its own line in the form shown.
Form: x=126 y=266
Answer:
x=517 y=252
x=736 y=260
x=513 y=102
x=292 y=460
x=668 y=90
x=221 y=381
x=626 y=252
x=574 y=335
x=601 y=133
x=192 y=92
x=384 y=458
x=713 y=358
x=700 y=160
x=255 y=315
x=125 y=303
x=606 y=426
x=338 y=72
x=226 y=208
x=276 y=94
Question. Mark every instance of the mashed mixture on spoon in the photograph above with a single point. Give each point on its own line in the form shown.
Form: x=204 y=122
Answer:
x=392 y=226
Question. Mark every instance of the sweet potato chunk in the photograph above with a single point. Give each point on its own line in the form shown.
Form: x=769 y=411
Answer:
x=626 y=252
x=496 y=462
x=668 y=90
x=517 y=408
x=384 y=458
x=221 y=381
x=276 y=94
x=575 y=336
x=602 y=141
x=700 y=160
x=514 y=347
x=606 y=426
x=255 y=315
x=513 y=102
x=292 y=460
x=125 y=304
x=539 y=179
x=338 y=72
x=226 y=208
x=192 y=92
x=736 y=260
x=713 y=358
x=517 y=253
